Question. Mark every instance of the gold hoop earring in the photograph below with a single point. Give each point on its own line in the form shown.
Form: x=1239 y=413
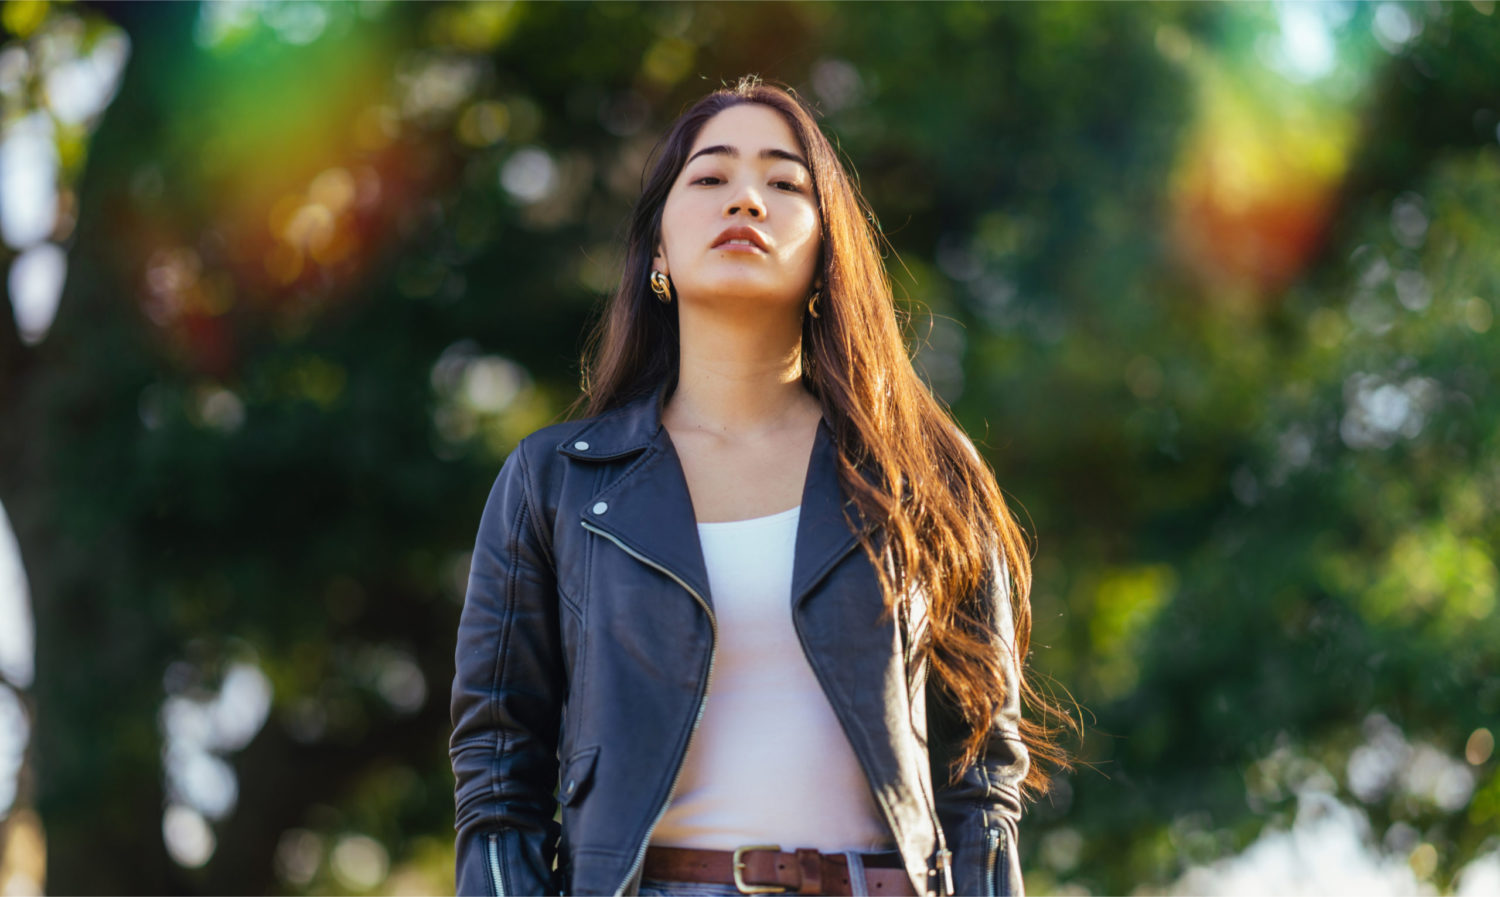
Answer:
x=661 y=287
x=813 y=301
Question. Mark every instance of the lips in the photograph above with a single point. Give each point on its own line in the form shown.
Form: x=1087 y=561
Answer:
x=741 y=232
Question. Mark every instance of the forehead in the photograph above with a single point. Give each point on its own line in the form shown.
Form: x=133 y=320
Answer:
x=750 y=127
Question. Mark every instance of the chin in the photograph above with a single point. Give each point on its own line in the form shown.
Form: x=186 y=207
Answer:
x=739 y=289
x=745 y=295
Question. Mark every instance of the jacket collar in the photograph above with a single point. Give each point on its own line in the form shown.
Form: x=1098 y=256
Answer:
x=649 y=511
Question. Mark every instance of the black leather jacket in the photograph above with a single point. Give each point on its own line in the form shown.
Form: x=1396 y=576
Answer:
x=585 y=650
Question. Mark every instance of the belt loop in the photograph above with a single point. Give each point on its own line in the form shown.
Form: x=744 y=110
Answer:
x=858 y=887
x=810 y=865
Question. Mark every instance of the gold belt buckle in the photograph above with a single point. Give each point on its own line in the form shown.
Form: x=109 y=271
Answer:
x=739 y=869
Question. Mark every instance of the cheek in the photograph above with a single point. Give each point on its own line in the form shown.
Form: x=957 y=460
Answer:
x=675 y=215
x=810 y=239
x=809 y=223
x=685 y=221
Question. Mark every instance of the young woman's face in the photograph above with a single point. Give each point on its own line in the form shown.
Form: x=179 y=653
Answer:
x=745 y=169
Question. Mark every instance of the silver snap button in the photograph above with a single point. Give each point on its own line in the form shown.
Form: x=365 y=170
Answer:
x=581 y=445
x=600 y=507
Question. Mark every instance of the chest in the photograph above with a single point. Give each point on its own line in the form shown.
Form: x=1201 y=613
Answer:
x=738 y=483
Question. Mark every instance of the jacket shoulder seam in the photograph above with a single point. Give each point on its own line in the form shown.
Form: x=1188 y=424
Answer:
x=543 y=539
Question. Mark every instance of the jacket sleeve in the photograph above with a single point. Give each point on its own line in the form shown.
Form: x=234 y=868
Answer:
x=980 y=812
x=508 y=690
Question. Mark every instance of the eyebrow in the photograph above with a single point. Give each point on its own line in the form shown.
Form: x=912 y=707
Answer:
x=734 y=153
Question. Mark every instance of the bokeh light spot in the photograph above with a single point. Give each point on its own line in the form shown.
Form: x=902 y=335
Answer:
x=1480 y=747
x=360 y=862
x=189 y=839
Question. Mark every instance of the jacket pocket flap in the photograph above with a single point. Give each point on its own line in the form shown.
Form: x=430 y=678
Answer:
x=577 y=773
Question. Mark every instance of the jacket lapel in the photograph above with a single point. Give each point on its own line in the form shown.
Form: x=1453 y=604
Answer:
x=649 y=509
x=823 y=535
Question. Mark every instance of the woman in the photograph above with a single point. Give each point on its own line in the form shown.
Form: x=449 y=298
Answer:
x=674 y=672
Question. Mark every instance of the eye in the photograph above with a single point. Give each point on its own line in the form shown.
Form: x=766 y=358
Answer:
x=791 y=185
x=707 y=177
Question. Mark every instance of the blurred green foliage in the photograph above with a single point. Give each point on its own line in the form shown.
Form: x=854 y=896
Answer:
x=1260 y=500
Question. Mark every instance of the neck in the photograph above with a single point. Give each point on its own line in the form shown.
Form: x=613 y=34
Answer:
x=739 y=377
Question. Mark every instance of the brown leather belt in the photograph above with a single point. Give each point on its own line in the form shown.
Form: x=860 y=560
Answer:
x=767 y=869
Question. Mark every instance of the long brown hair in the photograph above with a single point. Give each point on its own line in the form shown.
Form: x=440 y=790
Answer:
x=891 y=431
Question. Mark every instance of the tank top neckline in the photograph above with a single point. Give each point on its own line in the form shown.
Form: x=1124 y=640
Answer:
x=768 y=518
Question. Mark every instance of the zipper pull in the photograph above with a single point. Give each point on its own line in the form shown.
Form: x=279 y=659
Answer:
x=945 y=865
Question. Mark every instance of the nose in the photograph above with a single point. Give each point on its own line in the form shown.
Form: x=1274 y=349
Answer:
x=745 y=199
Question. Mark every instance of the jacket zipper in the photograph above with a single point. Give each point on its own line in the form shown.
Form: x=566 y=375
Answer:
x=992 y=839
x=495 y=865
x=640 y=856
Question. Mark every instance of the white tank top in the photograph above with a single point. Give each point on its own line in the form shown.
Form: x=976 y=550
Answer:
x=769 y=762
